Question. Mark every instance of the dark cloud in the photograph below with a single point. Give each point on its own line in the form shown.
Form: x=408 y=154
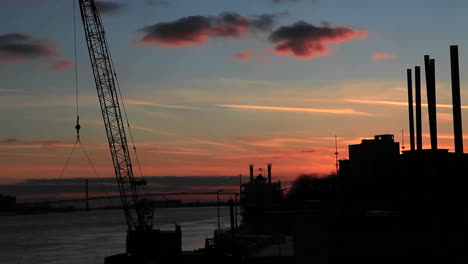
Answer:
x=7 y=141
x=306 y=41
x=19 y=46
x=108 y=7
x=195 y=30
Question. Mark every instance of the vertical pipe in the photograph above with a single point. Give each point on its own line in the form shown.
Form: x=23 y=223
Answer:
x=269 y=173
x=235 y=212
x=434 y=105
x=233 y=228
x=410 y=107
x=251 y=168
x=417 y=87
x=456 y=101
x=240 y=184
x=86 y=195
x=217 y=207
x=429 y=65
x=231 y=215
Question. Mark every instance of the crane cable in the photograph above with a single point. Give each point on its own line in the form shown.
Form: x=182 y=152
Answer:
x=77 y=126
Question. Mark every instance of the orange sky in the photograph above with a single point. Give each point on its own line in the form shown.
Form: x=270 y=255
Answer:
x=272 y=85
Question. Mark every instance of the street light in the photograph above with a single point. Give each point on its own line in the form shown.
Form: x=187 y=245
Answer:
x=235 y=209
x=217 y=205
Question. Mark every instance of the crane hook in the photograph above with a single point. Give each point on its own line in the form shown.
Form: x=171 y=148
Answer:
x=77 y=127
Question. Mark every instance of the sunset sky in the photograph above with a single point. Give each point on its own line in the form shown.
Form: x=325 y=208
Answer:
x=213 y=85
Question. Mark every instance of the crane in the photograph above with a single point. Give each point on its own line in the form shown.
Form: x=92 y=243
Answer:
x=138 y=212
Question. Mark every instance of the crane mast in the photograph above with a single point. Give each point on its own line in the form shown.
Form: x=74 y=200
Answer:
x=138 y=214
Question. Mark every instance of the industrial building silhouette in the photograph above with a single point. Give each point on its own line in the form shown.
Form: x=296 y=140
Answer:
x=408 y=204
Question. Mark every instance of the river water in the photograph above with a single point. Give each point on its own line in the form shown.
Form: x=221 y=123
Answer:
x=87 y=237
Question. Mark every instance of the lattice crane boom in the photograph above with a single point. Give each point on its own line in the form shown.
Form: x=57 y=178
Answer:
x=138 y=215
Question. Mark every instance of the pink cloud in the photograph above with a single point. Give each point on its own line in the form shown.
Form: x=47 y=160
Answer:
x=306 y=41
x=243 y=55
x=382 y=56
x=61 y=64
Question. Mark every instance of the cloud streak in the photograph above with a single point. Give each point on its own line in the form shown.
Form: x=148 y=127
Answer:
x=148 y=103
x=306 y=41
x=339 y=111
x=12 y=143
x=379 y=102
x=277 y=141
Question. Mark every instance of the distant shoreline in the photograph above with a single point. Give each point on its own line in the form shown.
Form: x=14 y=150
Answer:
x=48 y=210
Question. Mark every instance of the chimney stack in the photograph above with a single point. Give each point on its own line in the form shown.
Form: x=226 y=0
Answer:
x=456 y=101
x=251 y=167
x=269 y=173
x=417 y=87
x=431 y=99
x=410 y=107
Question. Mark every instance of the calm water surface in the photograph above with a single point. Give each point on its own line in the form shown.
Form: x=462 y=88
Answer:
x=87 y=237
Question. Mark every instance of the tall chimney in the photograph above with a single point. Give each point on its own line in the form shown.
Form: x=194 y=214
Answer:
x=410 y=107
x=417 y=87
x=251 y=167
x=456 y=101
x=431 y=99
x=269 y=173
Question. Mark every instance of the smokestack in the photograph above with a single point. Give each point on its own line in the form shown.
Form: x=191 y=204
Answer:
x=417 y=87
x=456 y=101
x=410 y=107
x=269 y=173
x=431 y=99
x=251 y=167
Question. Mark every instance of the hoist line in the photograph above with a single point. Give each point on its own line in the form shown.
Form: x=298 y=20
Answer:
x=76 y=59
x=89 y=160
x=68 y=161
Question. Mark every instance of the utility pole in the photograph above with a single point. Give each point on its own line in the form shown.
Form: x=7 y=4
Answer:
x=235 y=210
x=336 y=154
x=217 y=205
x=403 y=141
